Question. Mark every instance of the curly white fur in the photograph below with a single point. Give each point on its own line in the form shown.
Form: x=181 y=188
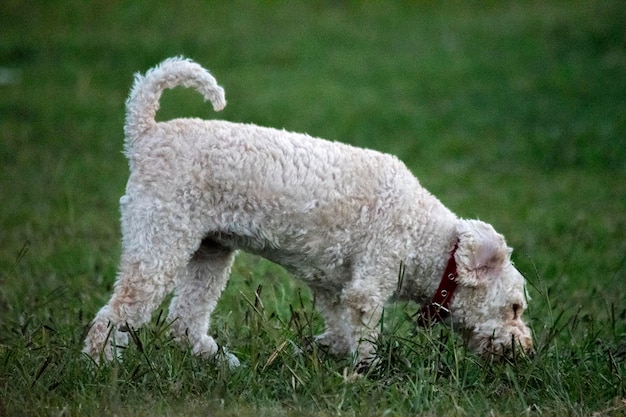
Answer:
x=341 y=218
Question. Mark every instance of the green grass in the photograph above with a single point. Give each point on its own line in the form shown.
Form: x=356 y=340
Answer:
x=514 y=113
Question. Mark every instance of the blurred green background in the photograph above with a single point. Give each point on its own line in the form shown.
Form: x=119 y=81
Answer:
x=511 y=112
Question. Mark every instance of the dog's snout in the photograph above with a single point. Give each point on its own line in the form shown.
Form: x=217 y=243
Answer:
x=524 y=342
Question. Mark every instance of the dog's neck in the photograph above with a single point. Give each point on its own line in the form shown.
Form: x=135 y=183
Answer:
x=437 y=309
x=420 y=279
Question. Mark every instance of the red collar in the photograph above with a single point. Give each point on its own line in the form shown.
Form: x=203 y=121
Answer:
x=438 y=309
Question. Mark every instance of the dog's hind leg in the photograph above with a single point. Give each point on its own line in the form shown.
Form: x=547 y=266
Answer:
x=151 y=259
x=198 y=288
x=139 y=290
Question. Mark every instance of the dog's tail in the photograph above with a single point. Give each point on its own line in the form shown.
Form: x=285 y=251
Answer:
x=143 y=103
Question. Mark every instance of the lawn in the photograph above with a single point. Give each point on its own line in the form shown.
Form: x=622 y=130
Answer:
x=511 y=112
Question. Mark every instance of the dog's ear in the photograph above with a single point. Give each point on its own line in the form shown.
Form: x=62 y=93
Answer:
x=481 y=254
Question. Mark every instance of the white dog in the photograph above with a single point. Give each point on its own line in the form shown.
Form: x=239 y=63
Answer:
x=341 y=218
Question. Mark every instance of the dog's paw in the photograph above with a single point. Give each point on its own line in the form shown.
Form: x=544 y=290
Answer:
x=363 y=366
x=227 y=358
x=104 y=342
x=206 y=347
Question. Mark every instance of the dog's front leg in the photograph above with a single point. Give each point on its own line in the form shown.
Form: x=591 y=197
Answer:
x=365 y=296
x=351 y=323
x=338 y=338
x=366 y=310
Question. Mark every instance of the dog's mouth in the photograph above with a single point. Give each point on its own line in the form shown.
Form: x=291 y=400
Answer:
x=504 y=346
x=502 y=353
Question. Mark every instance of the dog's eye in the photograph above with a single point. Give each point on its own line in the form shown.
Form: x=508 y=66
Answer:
x=516 y=310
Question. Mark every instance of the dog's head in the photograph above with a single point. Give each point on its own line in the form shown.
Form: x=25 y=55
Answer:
x=491 y=294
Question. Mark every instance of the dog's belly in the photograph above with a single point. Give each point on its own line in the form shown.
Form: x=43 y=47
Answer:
x=329 y=271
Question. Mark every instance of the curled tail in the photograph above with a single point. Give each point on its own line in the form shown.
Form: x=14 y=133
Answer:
x=143 y=103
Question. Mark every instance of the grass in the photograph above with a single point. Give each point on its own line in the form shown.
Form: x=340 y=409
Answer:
x=511 y=112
